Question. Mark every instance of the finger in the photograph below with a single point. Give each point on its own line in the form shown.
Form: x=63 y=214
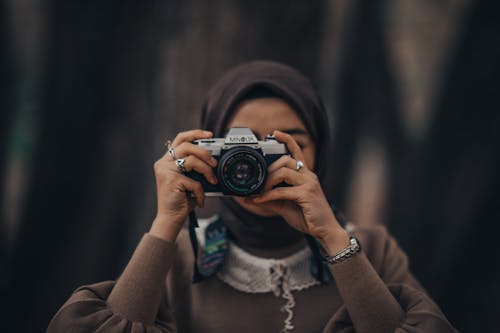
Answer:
x=284 y=161
x=290 y=143
x=284 y=175
x=189 y=136
x=187 y=148
x=192 y=162
x=189 y=185
x=278 y=193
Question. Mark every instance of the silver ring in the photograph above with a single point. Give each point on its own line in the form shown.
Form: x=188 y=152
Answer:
x=179 y=163
x=170 y=152
x=299 y=166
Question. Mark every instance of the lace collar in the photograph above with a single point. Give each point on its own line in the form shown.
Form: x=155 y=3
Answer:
x=248 y=273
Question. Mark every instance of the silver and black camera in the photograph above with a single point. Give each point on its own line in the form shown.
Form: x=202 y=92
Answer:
x=242 y=162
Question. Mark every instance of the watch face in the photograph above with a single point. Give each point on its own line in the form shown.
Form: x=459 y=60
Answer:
x=355 y=243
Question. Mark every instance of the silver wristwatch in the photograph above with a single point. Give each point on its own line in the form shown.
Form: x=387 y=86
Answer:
x=353 y=248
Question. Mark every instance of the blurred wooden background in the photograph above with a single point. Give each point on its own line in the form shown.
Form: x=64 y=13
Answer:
x=91 y=91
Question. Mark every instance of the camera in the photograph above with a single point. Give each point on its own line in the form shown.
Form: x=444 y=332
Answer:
x=242 y=162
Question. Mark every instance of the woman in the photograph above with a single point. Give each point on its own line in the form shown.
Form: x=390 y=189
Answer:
x=256 y=271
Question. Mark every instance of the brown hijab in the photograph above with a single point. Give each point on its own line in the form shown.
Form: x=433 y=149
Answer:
x=288 y=84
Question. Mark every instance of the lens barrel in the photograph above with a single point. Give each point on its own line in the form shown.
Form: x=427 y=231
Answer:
x=242 y=171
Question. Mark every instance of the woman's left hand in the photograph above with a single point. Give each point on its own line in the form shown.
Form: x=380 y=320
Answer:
x=303 y=204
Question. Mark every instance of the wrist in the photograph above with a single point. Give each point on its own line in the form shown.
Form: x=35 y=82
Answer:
x=164 y=228
x=334 y=240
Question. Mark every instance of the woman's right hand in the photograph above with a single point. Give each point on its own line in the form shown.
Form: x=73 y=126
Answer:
x=178 y=194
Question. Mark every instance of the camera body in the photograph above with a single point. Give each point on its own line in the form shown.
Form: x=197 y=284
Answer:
x=242 y=162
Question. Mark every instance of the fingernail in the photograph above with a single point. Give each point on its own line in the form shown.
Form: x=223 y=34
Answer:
x=207 y=132
x=214 y=161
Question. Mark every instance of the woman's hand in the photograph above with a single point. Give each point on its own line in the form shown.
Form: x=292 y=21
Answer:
x=178 y=194
x=303 y=205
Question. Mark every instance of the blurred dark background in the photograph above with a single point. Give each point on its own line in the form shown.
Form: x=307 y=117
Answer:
x=90 y=91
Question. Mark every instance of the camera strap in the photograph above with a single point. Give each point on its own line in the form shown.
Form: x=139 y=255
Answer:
x=209 y=259
x=193 y=224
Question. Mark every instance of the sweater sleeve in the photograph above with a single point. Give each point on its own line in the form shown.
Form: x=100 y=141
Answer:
x=380 y=294
x=135 y=303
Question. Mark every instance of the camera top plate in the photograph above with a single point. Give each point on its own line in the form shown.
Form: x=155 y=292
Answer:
x=240 y=135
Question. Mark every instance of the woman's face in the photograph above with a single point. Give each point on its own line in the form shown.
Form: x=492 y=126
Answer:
x=263 y=116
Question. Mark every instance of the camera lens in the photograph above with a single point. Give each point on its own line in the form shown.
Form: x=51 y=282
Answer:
x=242 y=171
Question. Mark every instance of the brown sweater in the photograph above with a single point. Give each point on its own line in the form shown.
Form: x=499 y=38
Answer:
x=373 y=292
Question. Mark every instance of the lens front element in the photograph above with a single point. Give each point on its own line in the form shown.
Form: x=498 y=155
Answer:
x=242 y=171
